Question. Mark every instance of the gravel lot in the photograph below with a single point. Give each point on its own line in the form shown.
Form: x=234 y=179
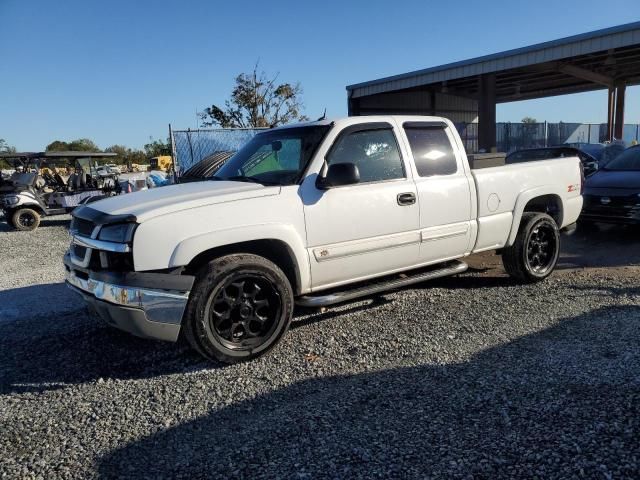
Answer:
x=466 y=377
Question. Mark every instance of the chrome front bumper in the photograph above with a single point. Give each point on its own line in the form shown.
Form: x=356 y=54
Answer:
x=124 y=301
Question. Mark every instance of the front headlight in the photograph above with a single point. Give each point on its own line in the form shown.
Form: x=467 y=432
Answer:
x=11 y=200
x=119 y=233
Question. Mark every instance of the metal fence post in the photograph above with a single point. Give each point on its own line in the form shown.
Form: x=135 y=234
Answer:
x=190 y=145
x=173 y=155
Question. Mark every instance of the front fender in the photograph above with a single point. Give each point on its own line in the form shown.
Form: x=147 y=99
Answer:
x=189 y=248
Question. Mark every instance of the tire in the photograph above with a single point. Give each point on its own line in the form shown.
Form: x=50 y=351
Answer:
x=230 y=320
x=25 y=219
x=534 y=254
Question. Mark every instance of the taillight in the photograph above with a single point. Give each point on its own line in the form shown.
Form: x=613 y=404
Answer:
x=581 y=178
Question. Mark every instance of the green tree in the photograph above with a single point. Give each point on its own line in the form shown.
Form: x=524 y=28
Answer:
x=257 y=101
x=57 y=146
x=121 y=150
x=157 y=148
x=5 y=147
x=79 y=145
x=530 y=132
x=126 y=156
x=83 y=145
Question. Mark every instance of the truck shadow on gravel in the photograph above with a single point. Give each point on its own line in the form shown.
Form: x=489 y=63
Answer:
x=601 y=246
x=46 y=353
x=560 y=403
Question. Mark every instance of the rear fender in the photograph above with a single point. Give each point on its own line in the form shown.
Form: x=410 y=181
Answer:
x=521 y=202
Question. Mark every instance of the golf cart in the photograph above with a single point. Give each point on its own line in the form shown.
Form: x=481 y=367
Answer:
x=52 y=183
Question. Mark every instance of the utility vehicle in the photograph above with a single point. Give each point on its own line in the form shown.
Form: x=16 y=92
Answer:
x=39 y=187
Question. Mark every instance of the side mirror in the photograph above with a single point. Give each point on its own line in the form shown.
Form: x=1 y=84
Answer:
x=339 y=174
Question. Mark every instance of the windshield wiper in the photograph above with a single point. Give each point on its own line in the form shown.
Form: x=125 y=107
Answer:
x=215 y=177
x=243 y=178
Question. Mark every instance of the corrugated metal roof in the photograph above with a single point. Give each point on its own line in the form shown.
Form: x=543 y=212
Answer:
x=600 y=40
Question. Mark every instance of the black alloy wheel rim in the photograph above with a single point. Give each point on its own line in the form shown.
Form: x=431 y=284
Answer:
x=26 y=219
x=243 y=311
x=542 y=248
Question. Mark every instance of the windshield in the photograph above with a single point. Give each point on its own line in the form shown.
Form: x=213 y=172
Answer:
x=627 y=160
x=611 y=151
x=593 y=149
x=274 y=157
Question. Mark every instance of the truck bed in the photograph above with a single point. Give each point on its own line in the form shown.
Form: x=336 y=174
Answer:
x=502 y=191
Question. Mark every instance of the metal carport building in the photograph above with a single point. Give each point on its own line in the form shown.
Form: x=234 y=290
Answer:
x=469 y=90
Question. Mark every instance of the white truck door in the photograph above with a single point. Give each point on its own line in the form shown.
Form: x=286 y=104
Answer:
x=369 y=228
x=446 y=225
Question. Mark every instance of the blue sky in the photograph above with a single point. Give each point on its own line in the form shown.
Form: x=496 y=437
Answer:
x=120 y=71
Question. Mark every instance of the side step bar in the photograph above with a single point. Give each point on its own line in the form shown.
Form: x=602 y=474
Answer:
x=451 y=268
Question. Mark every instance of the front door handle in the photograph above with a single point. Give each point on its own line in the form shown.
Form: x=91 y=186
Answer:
x=406 y=199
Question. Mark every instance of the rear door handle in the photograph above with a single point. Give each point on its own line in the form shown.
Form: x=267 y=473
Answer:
x=406 y=199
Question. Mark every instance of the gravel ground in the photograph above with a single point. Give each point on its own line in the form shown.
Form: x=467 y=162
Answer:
x=31 y=270
x=466 y=377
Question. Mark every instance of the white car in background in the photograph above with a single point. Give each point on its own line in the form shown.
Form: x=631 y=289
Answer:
x=107 y=170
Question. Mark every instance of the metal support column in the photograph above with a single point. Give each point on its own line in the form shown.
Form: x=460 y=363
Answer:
x=619 y=117
x=487 y=112
x=432 y=102
x=354 y=107
x=611 y=109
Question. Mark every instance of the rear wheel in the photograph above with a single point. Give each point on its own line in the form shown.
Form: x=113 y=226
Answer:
x=25 y=219
x=534 y=254
x=239 y=309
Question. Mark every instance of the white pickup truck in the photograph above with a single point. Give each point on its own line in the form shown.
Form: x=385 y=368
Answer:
x=312 y=214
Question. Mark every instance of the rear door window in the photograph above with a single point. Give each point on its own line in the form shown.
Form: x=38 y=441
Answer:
x=432 y=150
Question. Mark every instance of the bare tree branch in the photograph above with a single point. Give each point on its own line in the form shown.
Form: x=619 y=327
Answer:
x=256 y=101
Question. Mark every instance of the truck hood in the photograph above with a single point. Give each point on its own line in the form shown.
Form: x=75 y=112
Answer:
x=614 y=179
x=164 y=200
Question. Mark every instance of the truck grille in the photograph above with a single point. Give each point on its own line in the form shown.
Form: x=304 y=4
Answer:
x=622 y=207
x=82 y=227
x=79 y=251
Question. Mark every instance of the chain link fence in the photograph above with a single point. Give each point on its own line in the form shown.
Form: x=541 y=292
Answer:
x=515 y=136
x=190 y=147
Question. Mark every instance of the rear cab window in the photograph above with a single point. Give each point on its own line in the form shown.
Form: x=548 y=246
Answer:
x=431 y=148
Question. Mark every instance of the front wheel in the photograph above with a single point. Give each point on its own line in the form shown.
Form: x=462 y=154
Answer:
x=534 y=254
x=239 y=309
x=25 y=219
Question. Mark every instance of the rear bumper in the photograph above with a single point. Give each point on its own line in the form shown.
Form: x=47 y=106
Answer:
x=149 y=305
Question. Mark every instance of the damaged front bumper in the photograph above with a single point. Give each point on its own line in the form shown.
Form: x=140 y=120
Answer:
x=149 y=305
